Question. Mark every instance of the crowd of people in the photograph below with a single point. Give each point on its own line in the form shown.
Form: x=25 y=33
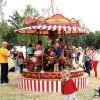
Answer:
x=57 y=54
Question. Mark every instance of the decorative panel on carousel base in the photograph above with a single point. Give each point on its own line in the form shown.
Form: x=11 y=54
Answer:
x=49 y=85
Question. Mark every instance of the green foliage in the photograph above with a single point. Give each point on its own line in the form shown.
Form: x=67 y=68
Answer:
x=30 y=11
x=72 y=39
x=16 y=20
x=92 y=39
x=11 y=38
x=46 y=41
x=97 y=39
x=89 y=39
x=2 y=4
x=4 y=29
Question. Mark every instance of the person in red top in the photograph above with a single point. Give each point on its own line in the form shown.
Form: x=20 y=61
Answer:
x=68 y=87
x=95 y=61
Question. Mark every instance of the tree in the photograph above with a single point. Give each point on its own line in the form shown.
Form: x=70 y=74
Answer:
x=2 y=22
x=2 y=4
x=15 y=20
x=11 y=38
x=96 y=42
x=30 y=11
x=4 y=28
x=89 y=39
x=7 y=33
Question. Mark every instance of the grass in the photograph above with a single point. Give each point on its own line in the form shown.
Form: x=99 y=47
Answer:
x=11 y=92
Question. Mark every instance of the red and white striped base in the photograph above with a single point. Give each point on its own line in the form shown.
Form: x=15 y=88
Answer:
x=48 y=85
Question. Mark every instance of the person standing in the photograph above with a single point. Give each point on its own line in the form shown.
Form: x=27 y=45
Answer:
x=15 y=58
x=4 y=62
x=95 y=61
x=21 y=61
x=87 y=59
x=68 y=87
x=22 y=49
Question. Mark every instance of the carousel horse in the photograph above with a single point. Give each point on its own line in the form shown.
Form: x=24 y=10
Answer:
x=49 y=54
x=48 y=60
x=75 y=64
x=29 y=64
x=36 y=60
x=52 y=59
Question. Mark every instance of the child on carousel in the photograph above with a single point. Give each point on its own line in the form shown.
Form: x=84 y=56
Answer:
x=38 y=49
x=68 y=86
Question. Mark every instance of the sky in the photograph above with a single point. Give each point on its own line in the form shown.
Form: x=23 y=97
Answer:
x=85 y=10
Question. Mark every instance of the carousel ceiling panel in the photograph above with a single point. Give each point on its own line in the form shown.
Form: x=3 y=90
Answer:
x=58 y=20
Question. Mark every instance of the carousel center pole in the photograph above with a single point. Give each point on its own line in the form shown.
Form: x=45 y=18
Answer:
x=52 y=2
x=78 y=40
x=38 y=36
x=42 y=70
x=26 y=44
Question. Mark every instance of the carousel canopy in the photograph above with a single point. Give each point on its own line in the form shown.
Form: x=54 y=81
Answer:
x=52 y=19
x=68 y=30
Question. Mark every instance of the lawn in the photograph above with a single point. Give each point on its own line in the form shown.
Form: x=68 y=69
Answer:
x=11 y=92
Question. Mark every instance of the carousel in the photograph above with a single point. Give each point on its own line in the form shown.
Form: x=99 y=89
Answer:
x=51 y=23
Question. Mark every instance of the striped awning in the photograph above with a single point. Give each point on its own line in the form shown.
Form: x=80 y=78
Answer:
x=68 y=30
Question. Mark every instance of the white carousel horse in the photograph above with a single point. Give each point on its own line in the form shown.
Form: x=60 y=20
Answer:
x=74 y=64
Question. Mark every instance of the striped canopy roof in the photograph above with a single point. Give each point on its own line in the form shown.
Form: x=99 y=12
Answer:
x=54 y=20
x=68 y=30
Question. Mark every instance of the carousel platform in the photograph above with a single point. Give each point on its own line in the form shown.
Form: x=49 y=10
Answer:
x=51 y=75
x=45 y=84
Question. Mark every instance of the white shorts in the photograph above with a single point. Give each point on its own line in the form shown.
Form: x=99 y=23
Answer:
x=71 y=96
